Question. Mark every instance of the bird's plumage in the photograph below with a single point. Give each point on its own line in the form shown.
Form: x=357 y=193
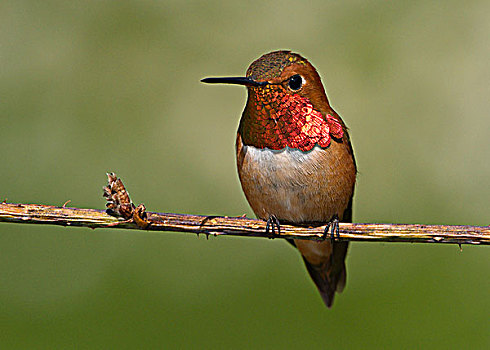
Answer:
x=295 y=159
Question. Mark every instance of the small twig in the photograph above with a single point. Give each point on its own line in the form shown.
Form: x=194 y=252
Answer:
x=137 y=218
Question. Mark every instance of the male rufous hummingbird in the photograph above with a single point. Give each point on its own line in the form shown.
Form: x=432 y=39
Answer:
x=295 y=160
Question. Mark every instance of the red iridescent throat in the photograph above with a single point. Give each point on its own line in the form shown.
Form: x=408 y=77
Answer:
x=283 y=120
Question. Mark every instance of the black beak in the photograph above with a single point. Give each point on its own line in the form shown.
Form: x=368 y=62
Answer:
x=234 y=80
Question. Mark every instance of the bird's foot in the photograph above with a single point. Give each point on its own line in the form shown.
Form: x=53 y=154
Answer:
x=271 y=226
x=333 y=227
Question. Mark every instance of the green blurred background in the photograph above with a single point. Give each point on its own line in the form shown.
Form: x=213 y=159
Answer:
x=96 y=86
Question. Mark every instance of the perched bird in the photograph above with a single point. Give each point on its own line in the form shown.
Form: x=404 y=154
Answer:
x=295 y=159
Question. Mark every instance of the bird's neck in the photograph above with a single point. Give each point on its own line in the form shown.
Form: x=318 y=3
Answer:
x=277 y=121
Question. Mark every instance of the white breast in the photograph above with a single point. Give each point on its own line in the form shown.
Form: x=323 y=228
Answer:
x=289 y=183
x=287 y=162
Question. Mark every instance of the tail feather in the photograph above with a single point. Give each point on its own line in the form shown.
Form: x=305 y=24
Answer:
x=330 y=276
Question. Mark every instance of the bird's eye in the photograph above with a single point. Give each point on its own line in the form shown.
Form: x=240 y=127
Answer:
x=295 y=82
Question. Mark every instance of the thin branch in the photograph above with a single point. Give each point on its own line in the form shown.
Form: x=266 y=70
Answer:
x=240 y=226
x=122 y=213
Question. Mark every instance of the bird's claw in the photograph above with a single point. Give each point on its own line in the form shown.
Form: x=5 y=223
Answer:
x=271 y=226
x=333 y=227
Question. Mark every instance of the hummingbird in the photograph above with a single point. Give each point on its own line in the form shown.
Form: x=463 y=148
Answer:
x=295 y=160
